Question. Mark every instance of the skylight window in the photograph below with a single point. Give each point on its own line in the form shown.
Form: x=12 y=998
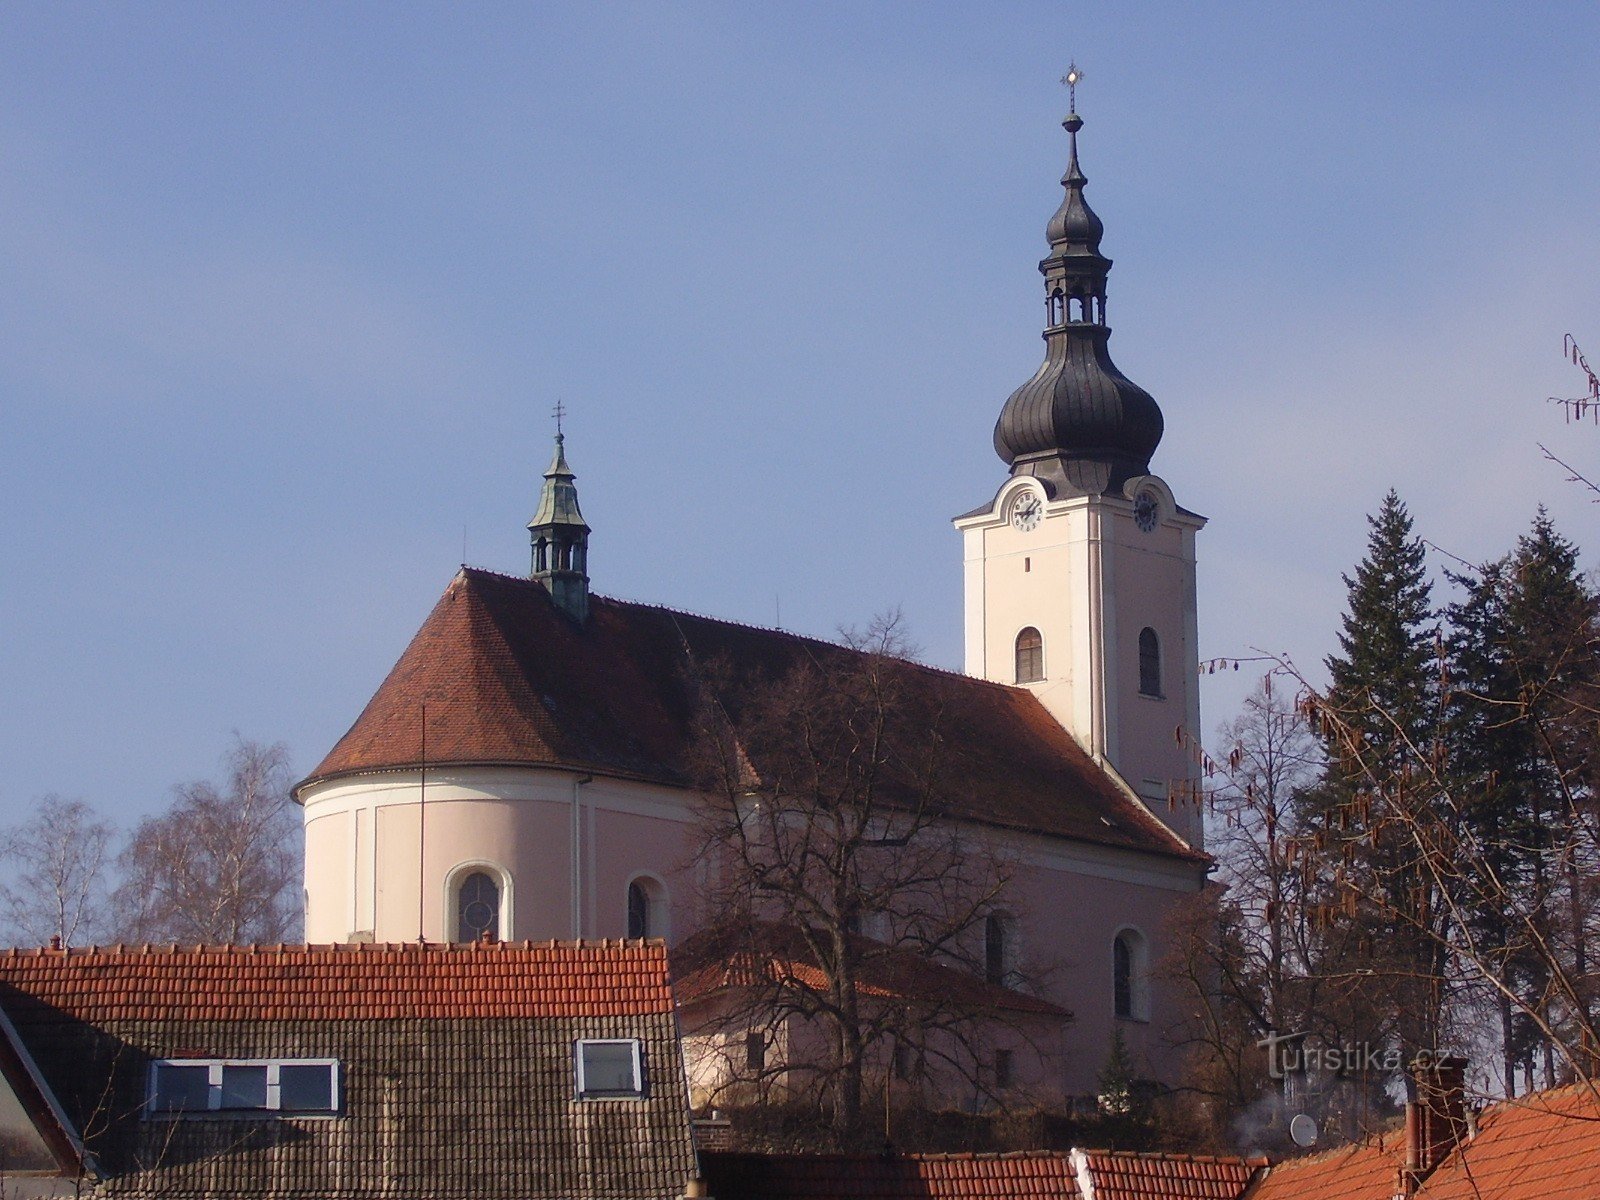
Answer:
x=189 y=1087
x=610 y=1069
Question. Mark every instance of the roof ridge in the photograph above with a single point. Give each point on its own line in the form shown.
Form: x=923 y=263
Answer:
x=813 y=639
x=240 y=949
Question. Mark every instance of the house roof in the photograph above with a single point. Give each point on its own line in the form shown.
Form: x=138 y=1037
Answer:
x=1029 y=1174
x=456 y=1067
x=1026 y=1175
x=764 y=953
x=1361 y=1171
x=1545 y=1146
x=360 y=982
x=1124 y=1175
x=508 y=678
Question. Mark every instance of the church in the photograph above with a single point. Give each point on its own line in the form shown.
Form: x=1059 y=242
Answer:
x=526 y=770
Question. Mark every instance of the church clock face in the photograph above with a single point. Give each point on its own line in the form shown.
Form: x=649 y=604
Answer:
x=1026 y=512
x=1145 y=511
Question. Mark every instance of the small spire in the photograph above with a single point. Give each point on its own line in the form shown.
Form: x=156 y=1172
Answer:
x=560 y=535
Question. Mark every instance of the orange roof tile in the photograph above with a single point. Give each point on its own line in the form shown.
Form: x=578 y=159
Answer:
x=765 y=953
x=336 y=983
x=1123 y=1175
x=1025 y=1175
x=1545 y=1146
x=510 y=679
x=1366 y=1171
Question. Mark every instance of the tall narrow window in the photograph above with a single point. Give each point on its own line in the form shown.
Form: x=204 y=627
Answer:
x=647 y=908
x=1149 y=662
x=1128 y=987
x=478 y=908
x=638 y=911
x=1030 y=656
x=998 y=952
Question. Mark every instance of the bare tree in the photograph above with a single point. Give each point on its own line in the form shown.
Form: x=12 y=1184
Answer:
x=828 y=831
x=223 y=863
x=56 y=884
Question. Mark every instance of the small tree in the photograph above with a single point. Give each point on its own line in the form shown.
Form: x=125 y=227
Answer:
x=56 y=882
x=827 y=824
x=222 y=864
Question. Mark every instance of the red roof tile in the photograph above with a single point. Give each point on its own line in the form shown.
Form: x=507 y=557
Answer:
x=763 y=953
x=1021 y=1175
x=336 y=983
x=1366 y=1171
x=1029 y=1175
x=1540 y=1147
x=509 y=679
x=1121 y=1175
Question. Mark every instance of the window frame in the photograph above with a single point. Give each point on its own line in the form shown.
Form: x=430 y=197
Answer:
x=1035 y=653
x=450 y=905
x=641 y=1084
x=1133 y=942
x=271 y=1110
x=1150 y=672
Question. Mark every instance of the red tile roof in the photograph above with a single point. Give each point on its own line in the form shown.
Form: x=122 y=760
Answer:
x=1021 y=1175
x=763 y=953
x=1121 y=1175
x=1366 y=1171
x=1027 y=1175
x=336 y=983
x=1540 y=1147
x=509 y=679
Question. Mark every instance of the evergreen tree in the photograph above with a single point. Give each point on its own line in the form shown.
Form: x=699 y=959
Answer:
x=1383 y=681
x=1380 y=724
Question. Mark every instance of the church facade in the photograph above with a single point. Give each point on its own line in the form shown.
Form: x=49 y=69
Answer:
x=527 y=769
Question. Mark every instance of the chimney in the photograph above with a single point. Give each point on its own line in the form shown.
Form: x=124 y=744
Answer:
x=1437 y=1120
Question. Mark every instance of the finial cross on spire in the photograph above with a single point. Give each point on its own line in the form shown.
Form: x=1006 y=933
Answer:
x=559 y=411
x=1072 y=79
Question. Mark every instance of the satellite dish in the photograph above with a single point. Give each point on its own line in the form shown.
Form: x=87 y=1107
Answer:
x=1303 y=1130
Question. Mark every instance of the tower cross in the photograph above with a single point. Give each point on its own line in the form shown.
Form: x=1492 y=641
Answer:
x=1072 y=78
x=559 y=411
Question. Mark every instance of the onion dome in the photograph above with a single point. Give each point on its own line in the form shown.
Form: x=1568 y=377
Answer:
x=1079 y=425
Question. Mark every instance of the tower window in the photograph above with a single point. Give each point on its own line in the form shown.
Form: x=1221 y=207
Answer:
x=1149 y=662
x=478 y=908
x=1030 y=656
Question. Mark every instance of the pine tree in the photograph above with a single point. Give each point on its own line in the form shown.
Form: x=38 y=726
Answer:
x=1380 y=724
x=1383 y=682
x=1523 y=669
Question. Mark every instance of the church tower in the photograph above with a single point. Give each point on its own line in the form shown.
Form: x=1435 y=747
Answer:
x=1080 y=575
x=560 y=538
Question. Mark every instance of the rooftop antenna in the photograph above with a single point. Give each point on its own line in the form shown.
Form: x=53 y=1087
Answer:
x=1072 y=79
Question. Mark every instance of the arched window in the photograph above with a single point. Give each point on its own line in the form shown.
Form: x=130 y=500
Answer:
x=478 y=908
x=1030 y=656
x=1128 y=975
x=647 y=908
x=638 y=911
x=1149 y=662
x=999 y=948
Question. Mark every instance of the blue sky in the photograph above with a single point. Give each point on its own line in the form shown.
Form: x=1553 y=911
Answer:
x=289 y=292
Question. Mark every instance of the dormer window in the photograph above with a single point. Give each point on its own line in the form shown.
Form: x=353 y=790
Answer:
x=199 y=1087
